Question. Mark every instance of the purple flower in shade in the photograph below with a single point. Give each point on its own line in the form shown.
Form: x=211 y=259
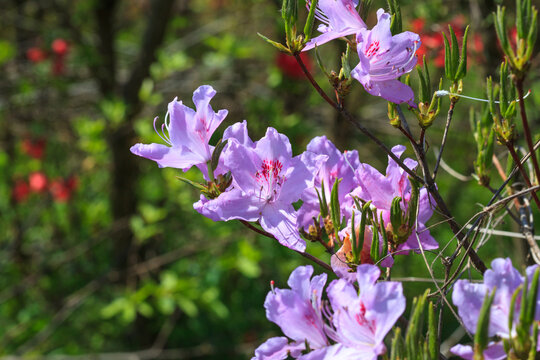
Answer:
x=493 y=351
x=298 y=313
x=337 y=166
x=339 y=17
x=339 y=262
x=382 y=189
x=361 y=320
x=238 y=132
x=266 y=181
x=384 y=58
x=469 y=297
x=188 y=133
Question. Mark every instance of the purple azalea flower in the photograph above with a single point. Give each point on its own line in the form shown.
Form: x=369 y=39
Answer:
x=469 y=297
x=238 y=132
x=266 y=181
x=382 y=189
x=362 y=319
x=188 y=133
x=338 y=261
x=384 y=58
x=494 y=351
x=297 y=311
x=339 y=17
x=337 y=166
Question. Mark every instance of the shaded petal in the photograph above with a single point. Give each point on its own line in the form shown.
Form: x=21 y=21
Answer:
x=468 y=298
x=181 y=123
x=299 y=281
x=494 y=351
x=277 y=348
x=341 y=268
x=374 y=186
x=206 y=120
x=367 y=276
x=298 y=175
x=243 y=163
x=342 y=19
x=381 y=32
x=530 y=273
x=341 y=294
x=505 y=278
x=423 y=235
x=233 y=204
x=384 y=305
x=166 y=156
x=340 y=352
x=202 y=208
x=310 y=208
x=274 y=146
x=296 y=317
x=279 y=219
x=392 y=90
x=239 y=132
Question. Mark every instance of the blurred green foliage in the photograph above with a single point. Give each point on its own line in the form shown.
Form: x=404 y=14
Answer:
x=186 y=282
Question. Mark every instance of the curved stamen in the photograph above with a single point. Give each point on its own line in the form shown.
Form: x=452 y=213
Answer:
x=157 y=132
x=165 y=135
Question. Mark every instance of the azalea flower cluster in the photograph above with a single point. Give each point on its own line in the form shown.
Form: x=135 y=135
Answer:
x=352 y=326
x=259 y=181
x=504 y=279
x=383 y=57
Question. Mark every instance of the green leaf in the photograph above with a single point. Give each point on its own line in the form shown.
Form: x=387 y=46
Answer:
x=308 y=28
x=192 y=183
x=462 y=67
x=374 y=251
x=277 y=45
x=481 y=336
x=448 y=71
x=7 y=51
x=187 y=306
x=433 y=338
x=455 y=52
x=217 y=153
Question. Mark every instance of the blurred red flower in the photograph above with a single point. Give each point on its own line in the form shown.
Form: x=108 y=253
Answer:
x=20 y=191
x=62 y=189
x=34 y=148
x=60 y=47
x=289 y=66
x=35 y=55
x=433 y=41
x=37 y=181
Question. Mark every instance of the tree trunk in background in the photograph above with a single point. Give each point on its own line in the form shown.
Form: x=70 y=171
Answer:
x=125 y=170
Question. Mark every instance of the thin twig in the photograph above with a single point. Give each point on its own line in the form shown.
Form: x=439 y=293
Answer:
x=523 y=172
x=526 y=130
x=433 y=190
x=304 y=254
x=445 y=135
x=354 y=121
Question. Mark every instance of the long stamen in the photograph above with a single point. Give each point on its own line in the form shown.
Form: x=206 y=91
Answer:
x=441 y=93
x=165 y=135
x=157 y=132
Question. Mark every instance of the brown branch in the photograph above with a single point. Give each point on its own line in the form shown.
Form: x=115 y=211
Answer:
x=522 y=170
x=160 y=13
x=445 y=135
x=304 y=254
x=527 y=131
x=441 y=204
x=354 y=121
